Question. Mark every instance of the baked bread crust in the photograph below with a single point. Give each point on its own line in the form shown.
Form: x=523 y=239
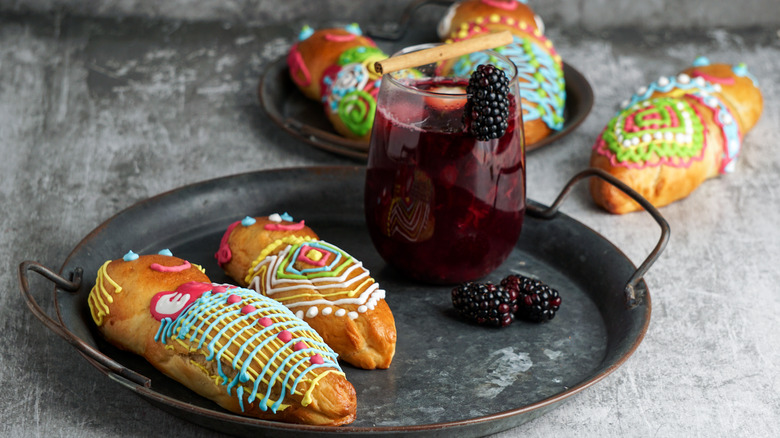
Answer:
x=317 y=52
x=122 y=304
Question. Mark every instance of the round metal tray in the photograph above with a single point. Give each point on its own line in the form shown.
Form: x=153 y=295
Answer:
x=448 y=378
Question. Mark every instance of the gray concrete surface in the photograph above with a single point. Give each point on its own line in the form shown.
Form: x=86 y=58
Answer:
x=591 y=14
x=97 y=113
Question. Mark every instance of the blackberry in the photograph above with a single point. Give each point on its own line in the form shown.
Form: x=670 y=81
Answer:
x=484 y=304
x=487 y=106
x=537 y=302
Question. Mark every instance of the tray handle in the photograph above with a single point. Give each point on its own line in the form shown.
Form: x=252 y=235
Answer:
x=634 y=290
x=101 y=361
x=395 y=31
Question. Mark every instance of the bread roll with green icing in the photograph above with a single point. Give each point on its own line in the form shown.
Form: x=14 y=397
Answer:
x=335 y=66
x=676 y=133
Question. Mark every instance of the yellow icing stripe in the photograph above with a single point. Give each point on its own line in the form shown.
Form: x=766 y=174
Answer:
x=369 y=281
x=289 y=240
x=296 y=298
x=99 y=296
x=307 y=396
x=200 y=268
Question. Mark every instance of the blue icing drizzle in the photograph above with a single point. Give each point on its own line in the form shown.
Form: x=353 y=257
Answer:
x=247 y=221
x=165 y=252
x=548 y=95
x=228 y=325
x=730 y=130
x=130 y=256
x=698 y=84
x=286 y=217
x=306 y=32
x=701 y=61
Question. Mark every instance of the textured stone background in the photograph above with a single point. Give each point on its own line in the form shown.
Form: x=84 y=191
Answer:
x=99 y=111
x=591 y=14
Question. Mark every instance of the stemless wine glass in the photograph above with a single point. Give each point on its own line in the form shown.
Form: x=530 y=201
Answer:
x=442 y=206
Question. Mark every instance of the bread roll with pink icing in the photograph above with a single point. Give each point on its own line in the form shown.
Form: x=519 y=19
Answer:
x=244 y=351
x=322 y=284
x=676 y=133
x=335 y=66
x=318 y=50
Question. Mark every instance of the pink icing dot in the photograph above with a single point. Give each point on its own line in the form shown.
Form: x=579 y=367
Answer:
x=317 y=359
x=248 y=309
x=300 y=345
x=265 y=322
x=285 y=336
x=224 y=255
x=233 y=299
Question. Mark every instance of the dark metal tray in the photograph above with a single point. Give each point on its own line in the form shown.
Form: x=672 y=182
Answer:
x=305 y=119
x=448 y=378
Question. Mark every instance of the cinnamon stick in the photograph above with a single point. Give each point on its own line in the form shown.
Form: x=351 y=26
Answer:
x=444 y=51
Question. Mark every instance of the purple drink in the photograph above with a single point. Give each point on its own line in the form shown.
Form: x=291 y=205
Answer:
x=440 y=205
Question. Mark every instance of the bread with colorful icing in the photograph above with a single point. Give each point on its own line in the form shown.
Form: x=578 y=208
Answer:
x=674 y=134
x=244 y=351
x=317 y=50
x=321 y=283
x=540 y=67
x=334 y=66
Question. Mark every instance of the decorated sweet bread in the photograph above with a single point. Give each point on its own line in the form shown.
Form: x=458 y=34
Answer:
x=244 y=351
x=335 y=66
x=674 y=134
x=539 y=66
x=321 y=283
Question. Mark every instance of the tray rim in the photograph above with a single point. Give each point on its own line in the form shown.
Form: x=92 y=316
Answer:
x=157 y=398
x=332 y=142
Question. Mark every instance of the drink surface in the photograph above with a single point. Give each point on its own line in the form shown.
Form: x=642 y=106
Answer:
x=442 y=206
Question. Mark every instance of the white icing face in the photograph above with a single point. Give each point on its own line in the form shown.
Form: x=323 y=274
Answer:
x=171 y=303
x=445 y=23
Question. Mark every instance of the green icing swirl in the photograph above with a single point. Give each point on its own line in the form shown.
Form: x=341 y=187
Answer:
x=356 y=110
x=359 y=54
x=669 y=150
